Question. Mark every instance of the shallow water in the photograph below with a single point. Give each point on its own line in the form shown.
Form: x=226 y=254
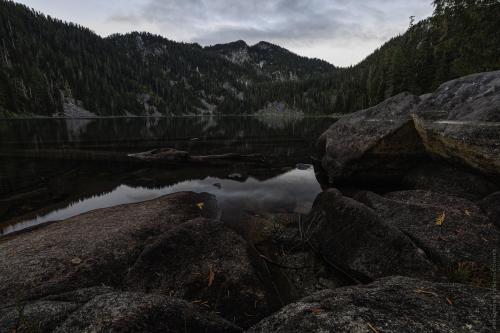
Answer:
x=37 y=190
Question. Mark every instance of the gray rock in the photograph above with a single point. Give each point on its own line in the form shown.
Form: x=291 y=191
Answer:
x=491 y=206
x=138 y=312
x=377 y=142
x=41 y=316
x=104 y=310
x=391 y=305
x=205 y=262
x=461 y=121
x=450 y=180
x=351 y=235
x=464 y=234
x=93 y=248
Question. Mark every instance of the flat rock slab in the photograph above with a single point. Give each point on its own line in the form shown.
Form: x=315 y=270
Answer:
x=91 y=249
x=450 y=230
x=390 y=305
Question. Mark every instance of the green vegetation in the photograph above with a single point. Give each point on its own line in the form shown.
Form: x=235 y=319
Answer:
x=46 y=63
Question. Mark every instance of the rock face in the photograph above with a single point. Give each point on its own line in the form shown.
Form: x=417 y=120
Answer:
x=105 y=310
x=174 y=245
x=460 y=122
x=391 y=305
x=450 y=230
x=371 y=143
x=351 y=235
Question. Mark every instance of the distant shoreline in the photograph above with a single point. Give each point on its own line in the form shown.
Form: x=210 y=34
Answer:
x=172 y=116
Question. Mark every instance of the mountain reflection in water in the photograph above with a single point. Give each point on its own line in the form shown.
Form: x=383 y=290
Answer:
x=292 y=191
x=38 y=185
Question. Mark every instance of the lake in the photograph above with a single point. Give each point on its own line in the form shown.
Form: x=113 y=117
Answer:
x=52 y=169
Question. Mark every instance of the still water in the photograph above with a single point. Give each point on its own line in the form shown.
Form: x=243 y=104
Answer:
x=38 y=187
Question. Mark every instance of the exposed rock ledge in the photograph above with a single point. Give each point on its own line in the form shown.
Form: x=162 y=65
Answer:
x=170 y=265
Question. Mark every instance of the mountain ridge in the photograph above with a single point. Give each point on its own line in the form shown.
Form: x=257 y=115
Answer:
x=49 y=67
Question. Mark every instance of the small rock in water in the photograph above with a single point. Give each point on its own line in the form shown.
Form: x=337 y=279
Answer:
x=218 y=185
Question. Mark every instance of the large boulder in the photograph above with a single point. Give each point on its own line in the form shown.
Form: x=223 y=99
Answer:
x=204 y=262
x=391 y=305
x=461 y=121
x=452 y=231
x=374 y=143
x=353 y=237
x=104 y=310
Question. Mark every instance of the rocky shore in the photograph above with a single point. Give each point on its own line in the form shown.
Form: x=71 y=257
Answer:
x=404 y=238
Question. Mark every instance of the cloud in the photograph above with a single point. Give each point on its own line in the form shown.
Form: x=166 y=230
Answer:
x=297 y=24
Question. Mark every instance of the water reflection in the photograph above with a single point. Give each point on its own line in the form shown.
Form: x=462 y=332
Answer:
x=291 y=191
x=51 y=169
x=146 y=132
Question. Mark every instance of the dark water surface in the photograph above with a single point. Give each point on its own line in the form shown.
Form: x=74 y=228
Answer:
x=38 y=184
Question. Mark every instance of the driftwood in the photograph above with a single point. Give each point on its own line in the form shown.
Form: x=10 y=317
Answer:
x=174 y=156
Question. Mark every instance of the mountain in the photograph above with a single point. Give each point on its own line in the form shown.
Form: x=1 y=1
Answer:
x=273 y=61
x=461 y=38
x=50 y=67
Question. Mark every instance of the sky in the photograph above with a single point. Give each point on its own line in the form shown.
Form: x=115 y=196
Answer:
x=342 y=32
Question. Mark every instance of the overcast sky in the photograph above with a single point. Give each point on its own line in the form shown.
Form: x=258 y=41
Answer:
x=342 y=32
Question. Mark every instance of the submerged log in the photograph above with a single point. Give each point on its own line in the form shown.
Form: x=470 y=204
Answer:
x=174 y=156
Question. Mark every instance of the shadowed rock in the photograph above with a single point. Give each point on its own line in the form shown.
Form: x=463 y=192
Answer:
x=374 y=143
x=205 y=262
x=450 y=230
x=351 y=235
x=105 y=310
x=450 y=180
x=391 y=305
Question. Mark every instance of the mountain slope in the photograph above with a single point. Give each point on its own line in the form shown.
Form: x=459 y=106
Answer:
x=273 y=61
x=459 y=40
x=50 y=67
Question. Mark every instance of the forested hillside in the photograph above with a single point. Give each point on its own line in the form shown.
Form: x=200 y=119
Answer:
x=50 y=67
x=47 y=64
x=461 y=38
